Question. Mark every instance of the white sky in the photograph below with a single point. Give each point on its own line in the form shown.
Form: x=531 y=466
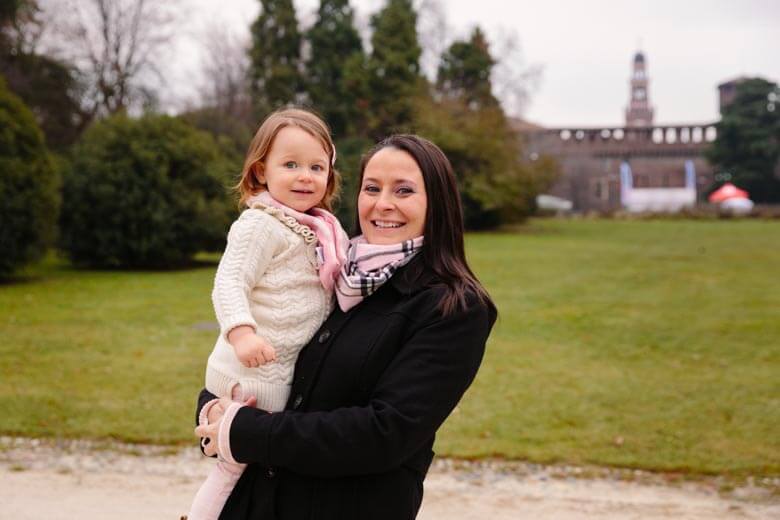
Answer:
x=585 y=48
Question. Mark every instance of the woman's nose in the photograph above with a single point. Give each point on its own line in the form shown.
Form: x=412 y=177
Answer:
x=385 y=202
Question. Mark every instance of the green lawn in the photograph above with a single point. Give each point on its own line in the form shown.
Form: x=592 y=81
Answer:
x=652 y=344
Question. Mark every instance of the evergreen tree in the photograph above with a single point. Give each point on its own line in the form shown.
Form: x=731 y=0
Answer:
x=465 y=71
x=468 y=123
x=748 y=140
x=336 y=59
x=274 y=73
x=394 y=68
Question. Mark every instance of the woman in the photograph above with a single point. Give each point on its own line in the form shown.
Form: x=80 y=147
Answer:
x=375 y=382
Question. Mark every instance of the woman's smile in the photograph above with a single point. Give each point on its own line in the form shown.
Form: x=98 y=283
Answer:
x=384 y=224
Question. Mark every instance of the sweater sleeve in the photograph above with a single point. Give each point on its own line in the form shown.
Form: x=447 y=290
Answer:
x=251 y=245
x=413 y=397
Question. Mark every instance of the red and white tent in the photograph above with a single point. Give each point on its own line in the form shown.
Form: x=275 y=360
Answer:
x=726 y=192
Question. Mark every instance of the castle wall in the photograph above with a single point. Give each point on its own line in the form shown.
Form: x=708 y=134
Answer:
x=590 y=159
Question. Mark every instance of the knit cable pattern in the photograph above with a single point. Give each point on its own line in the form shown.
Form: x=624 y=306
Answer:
x=267 y=279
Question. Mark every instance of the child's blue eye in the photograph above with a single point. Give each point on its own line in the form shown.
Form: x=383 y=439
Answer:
x=317 y=168
x=290 y=164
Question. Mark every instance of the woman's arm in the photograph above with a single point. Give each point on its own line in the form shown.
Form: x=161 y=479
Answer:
x=412 y=398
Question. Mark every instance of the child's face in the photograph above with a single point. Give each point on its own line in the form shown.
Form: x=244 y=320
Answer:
x=296 y=169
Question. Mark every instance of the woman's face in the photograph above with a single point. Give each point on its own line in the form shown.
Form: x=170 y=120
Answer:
x=392 y=202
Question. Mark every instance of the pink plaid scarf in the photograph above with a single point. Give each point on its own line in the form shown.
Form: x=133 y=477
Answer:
x=333 y=241
x=369 y=266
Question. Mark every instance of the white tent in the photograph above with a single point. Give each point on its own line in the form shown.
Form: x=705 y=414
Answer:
x=662 y=200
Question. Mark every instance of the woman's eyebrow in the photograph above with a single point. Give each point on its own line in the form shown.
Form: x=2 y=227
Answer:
x=396 y=181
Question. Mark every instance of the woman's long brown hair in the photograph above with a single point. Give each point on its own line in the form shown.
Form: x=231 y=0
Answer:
x=443 y=251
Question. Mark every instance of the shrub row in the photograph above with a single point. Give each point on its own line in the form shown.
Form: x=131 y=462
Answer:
x=29 y=186
x=144 y=192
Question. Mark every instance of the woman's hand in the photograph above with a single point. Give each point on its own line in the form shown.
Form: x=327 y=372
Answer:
x=216 y=411
x=210 y=432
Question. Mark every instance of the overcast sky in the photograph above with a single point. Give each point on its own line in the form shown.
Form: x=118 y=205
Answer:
x=584 y=49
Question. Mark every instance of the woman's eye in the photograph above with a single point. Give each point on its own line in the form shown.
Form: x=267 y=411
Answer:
x=370 y=189
x=290 y=164
x=404 y=190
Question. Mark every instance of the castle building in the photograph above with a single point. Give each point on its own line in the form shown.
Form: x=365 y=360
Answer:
x=639 y=113
x=640 y=166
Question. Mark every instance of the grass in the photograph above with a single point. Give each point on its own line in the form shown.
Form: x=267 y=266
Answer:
x=653 y=345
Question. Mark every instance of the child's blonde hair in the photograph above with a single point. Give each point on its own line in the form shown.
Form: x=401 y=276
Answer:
x=261 y=145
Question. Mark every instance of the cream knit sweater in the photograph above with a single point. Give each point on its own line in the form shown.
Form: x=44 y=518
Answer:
x=267 y=279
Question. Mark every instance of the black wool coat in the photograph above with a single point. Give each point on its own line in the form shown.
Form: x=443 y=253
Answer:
x=369 y=392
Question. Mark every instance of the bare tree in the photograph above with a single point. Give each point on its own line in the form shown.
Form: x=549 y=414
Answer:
x=513 y=79
x=434 y=35
x=21 y=27
x=225 y=69
x=116 y=45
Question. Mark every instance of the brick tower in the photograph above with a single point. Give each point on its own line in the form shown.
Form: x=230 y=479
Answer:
x=639 y=112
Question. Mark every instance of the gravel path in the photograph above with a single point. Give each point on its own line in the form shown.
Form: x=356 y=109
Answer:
x=58 y=480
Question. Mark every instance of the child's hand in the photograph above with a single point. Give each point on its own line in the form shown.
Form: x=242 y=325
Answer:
x=251 y=349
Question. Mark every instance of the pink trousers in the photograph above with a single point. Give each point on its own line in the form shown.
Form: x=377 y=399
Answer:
x=214 y=492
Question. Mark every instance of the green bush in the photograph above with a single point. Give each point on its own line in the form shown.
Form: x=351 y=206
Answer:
x=496 y=185
x=146 y=193
x=29 y=186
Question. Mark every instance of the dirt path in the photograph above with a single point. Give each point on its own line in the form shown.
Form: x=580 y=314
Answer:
x=84 y=481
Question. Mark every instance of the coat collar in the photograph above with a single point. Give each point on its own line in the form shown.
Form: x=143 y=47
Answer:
x=412 y=277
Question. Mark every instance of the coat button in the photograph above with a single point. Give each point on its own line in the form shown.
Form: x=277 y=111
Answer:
x=297 y=402
x=270 y=472
x=324 y=336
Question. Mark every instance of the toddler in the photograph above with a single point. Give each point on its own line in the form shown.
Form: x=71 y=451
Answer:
x=274 y=284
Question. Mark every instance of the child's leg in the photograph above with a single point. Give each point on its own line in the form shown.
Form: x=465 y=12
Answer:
x=214 y=492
